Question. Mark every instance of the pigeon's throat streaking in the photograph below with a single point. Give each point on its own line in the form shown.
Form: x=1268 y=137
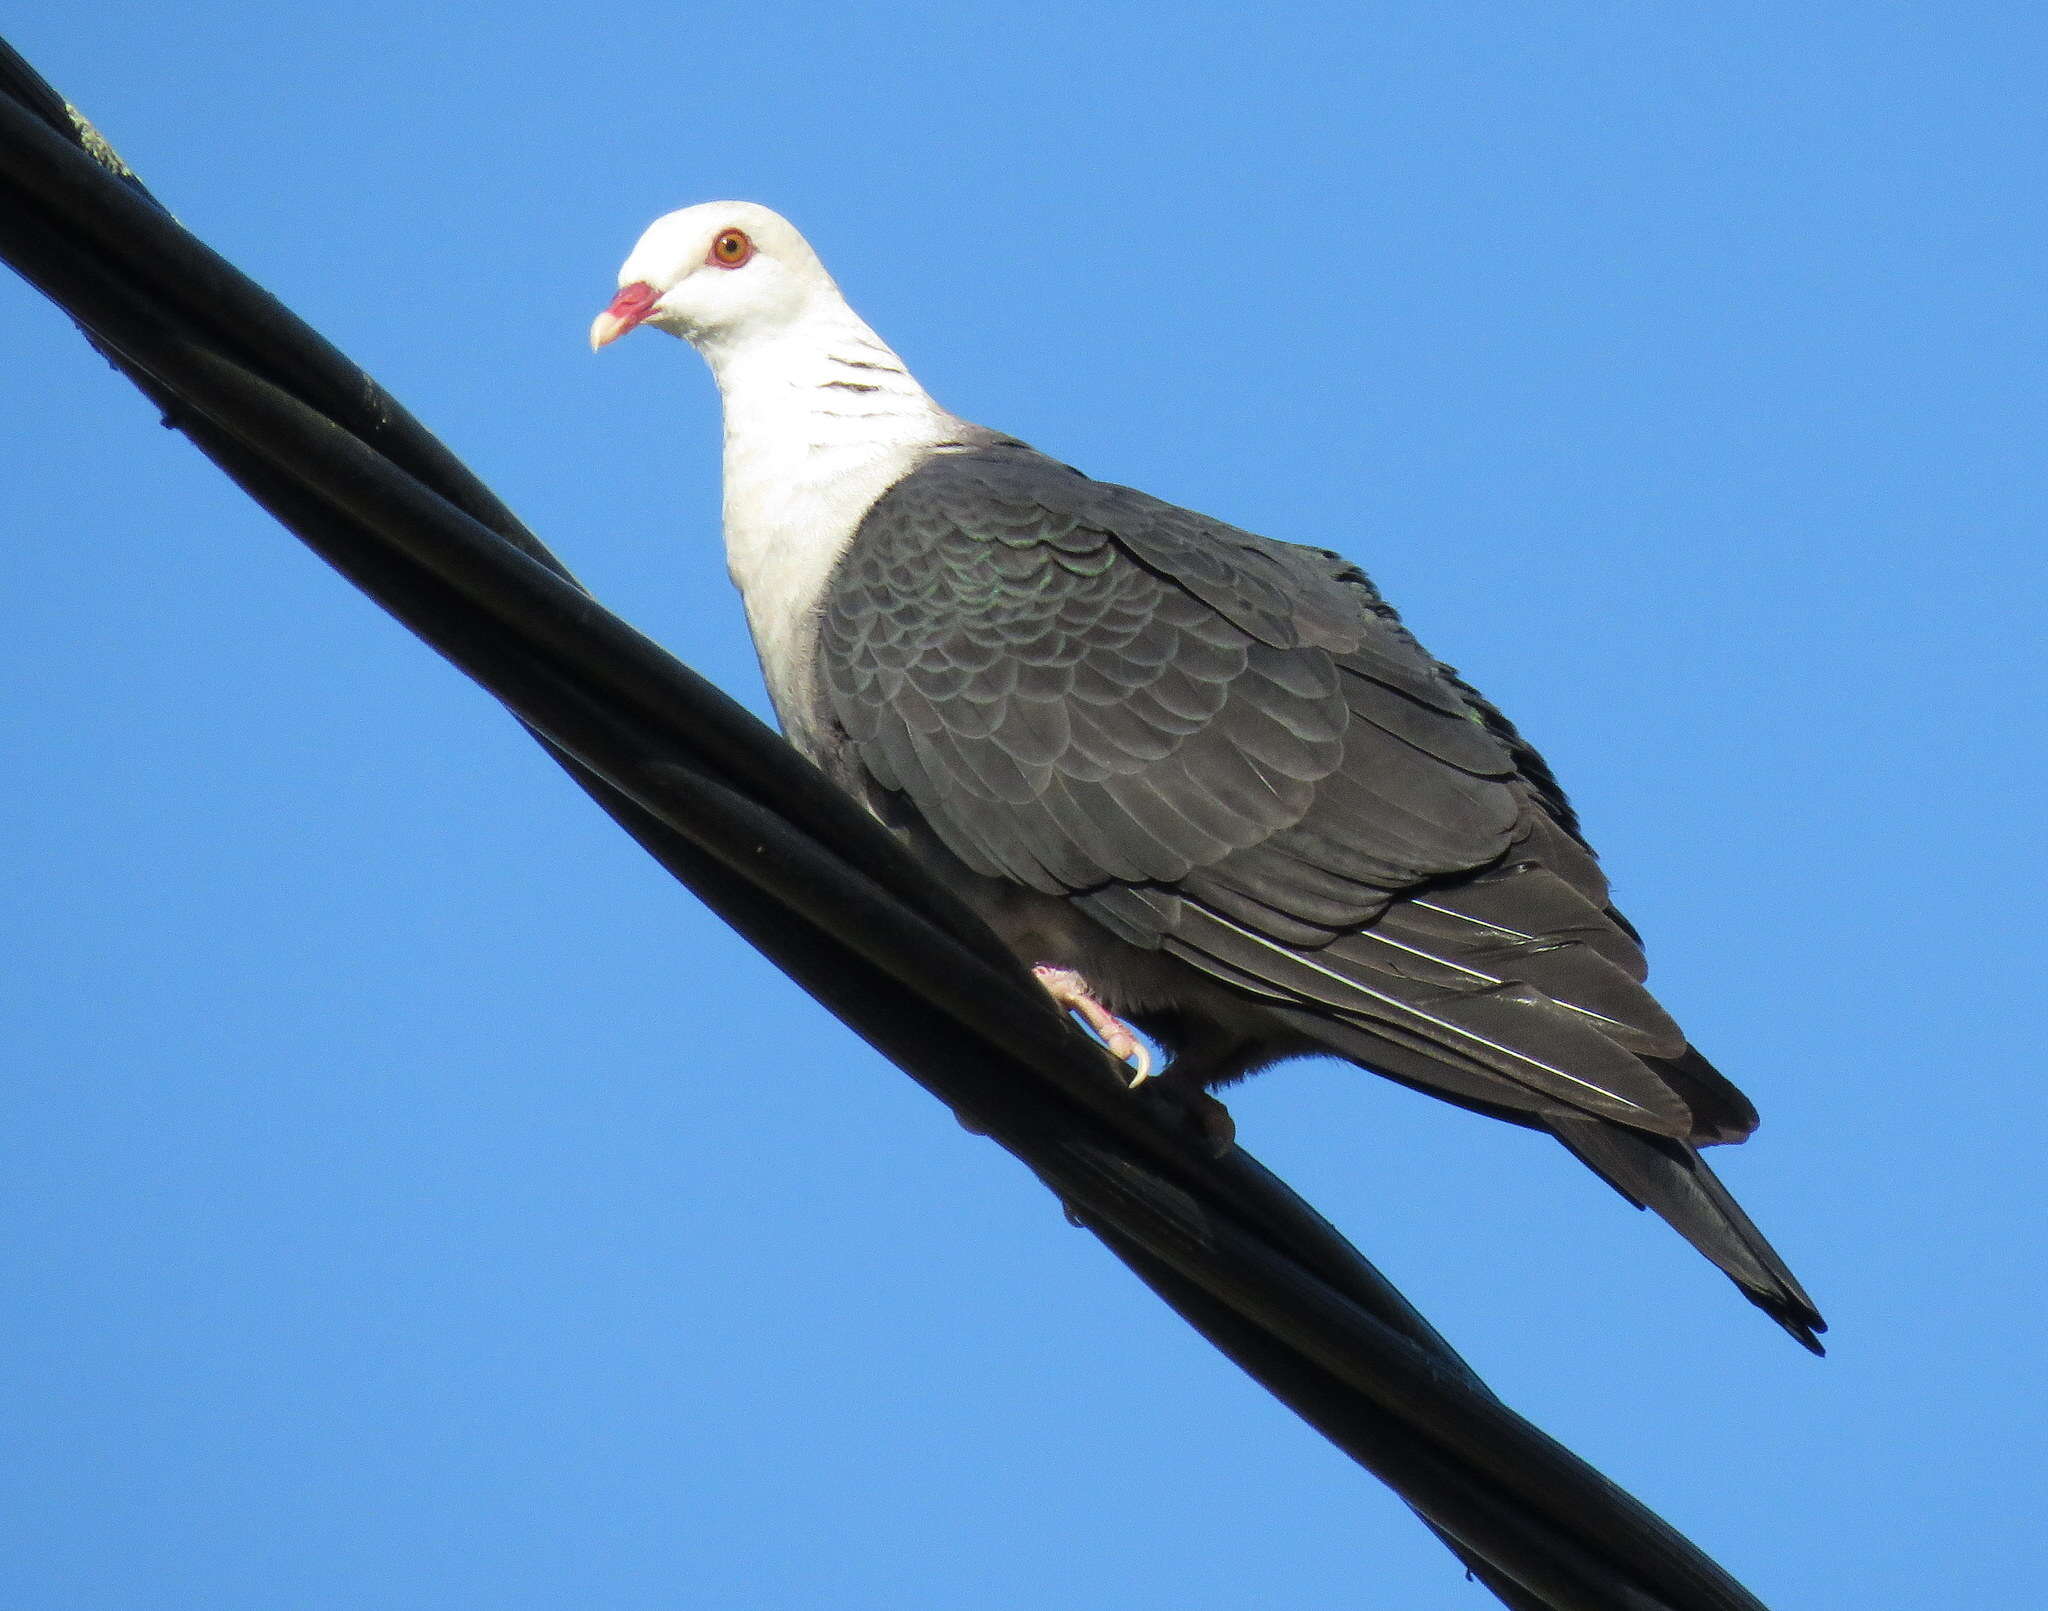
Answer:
x=821 y=419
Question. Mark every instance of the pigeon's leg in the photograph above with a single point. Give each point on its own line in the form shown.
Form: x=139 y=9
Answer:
x=1071 y=991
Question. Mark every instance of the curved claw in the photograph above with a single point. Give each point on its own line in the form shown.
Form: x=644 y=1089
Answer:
x=1071 y=991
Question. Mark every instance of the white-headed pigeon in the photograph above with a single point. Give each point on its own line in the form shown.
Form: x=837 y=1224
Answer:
x=1201 y=781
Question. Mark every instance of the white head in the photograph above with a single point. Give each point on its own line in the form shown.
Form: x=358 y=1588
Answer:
x=821 y=417
x=719 y=273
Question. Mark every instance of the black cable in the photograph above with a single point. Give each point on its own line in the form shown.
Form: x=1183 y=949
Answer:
x=804 y=875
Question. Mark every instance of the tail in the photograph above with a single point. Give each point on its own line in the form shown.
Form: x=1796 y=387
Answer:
x=1671 y=1177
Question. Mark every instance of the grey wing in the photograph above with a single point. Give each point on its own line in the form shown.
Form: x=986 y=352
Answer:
x=1228 y=749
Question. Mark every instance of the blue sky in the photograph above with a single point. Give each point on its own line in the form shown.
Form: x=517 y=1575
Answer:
x=416 y=1201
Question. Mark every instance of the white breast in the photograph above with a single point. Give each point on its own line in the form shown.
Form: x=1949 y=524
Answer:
x=820 y=421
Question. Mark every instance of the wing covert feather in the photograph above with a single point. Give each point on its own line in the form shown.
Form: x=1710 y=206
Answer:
x=1136 y=691
x=1231 y=750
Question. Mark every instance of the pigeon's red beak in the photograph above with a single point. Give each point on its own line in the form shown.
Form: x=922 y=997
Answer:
x=633 y=303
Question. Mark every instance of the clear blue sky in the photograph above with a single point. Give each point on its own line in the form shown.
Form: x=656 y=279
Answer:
x=416 y=1203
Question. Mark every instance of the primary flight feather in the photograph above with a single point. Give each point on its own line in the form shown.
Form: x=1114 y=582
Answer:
x=1205 y=783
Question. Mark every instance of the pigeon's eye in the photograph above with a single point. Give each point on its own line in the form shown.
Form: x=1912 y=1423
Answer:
x=731 y=248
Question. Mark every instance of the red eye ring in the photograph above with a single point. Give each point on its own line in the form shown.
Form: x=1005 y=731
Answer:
x=729 y=249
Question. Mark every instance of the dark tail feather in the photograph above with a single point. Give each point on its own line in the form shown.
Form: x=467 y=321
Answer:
x=1670 y=1177
x=1720 y=1113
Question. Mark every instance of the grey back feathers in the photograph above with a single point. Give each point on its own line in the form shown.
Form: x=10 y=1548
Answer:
x=1227 y=752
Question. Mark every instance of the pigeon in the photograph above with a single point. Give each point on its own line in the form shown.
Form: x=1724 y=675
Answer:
x=1205 y=784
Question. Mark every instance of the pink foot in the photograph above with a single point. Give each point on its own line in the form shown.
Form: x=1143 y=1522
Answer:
x=1071 y=991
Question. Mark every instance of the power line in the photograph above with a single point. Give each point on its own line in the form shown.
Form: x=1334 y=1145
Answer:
x=729 y=809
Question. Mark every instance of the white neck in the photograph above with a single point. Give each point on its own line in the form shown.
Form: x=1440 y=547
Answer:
x=821 y=419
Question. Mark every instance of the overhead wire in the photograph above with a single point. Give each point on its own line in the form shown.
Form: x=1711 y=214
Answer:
x=802 y=873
